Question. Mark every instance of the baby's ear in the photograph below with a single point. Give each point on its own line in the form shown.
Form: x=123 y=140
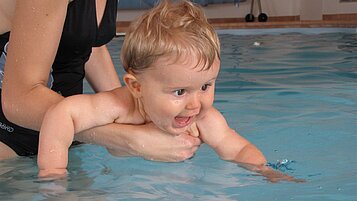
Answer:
x=133 y=84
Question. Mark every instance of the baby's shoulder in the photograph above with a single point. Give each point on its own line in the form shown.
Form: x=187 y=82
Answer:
x=211 y=119
x=127 y=105
x=211 y=115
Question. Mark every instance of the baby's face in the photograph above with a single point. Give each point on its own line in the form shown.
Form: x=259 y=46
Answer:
x=175 y=95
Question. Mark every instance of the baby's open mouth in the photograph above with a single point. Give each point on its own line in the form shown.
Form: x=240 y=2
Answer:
x=183 y=121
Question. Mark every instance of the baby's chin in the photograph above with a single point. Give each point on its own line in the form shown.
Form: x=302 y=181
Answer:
x=176 y=131
x=173 y=128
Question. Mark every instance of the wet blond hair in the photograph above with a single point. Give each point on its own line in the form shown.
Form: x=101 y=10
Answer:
x=172 y=28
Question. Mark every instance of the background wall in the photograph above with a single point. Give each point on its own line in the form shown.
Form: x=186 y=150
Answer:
x=335 y=7
x=306 y=9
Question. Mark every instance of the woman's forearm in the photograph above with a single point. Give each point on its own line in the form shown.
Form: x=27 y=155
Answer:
x=100 y=71
x=146 y=141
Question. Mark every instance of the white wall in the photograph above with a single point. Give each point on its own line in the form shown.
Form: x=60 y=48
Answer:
x=307 y=9
x=335 y=7
x=311 y=9
x=270 y=7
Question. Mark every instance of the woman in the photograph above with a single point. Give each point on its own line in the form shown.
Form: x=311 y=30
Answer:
x=49 y=47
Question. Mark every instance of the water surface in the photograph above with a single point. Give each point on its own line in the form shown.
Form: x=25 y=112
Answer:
x=292 y=92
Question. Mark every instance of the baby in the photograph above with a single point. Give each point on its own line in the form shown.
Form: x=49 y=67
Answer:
x=172 y=58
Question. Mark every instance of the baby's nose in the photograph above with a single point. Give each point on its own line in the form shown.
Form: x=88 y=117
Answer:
x=194 y=102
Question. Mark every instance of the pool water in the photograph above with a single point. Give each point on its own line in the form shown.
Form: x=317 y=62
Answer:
x=292 y=92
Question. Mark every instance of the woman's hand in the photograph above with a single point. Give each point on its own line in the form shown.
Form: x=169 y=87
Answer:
x=151 y=143
x=146 y=141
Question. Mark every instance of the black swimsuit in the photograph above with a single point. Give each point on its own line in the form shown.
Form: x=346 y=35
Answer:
x=80 y=34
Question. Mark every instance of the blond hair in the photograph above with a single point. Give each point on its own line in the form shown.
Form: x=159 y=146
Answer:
x=178 y=28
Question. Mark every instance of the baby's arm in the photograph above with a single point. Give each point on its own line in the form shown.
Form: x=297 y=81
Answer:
x=230 y=146
x=72 y=115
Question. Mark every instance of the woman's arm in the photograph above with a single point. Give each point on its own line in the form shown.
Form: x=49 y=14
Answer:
x=35 y=34
x=146 y=141
x=100 y=71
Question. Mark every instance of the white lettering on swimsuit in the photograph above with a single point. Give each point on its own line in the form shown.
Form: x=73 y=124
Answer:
x=6 y=127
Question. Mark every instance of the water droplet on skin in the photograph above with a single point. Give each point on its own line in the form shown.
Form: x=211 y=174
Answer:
x=92 y=136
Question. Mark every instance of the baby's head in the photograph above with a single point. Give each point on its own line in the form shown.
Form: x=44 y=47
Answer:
x=175 y=29
x=172 y=57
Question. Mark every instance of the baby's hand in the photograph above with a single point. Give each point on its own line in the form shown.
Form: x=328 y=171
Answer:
x=52 y=174
x=275 y=176
x=270 y=174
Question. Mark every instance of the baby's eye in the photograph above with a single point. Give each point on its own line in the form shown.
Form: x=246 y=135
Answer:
x=179 y=92
x=205 y=87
